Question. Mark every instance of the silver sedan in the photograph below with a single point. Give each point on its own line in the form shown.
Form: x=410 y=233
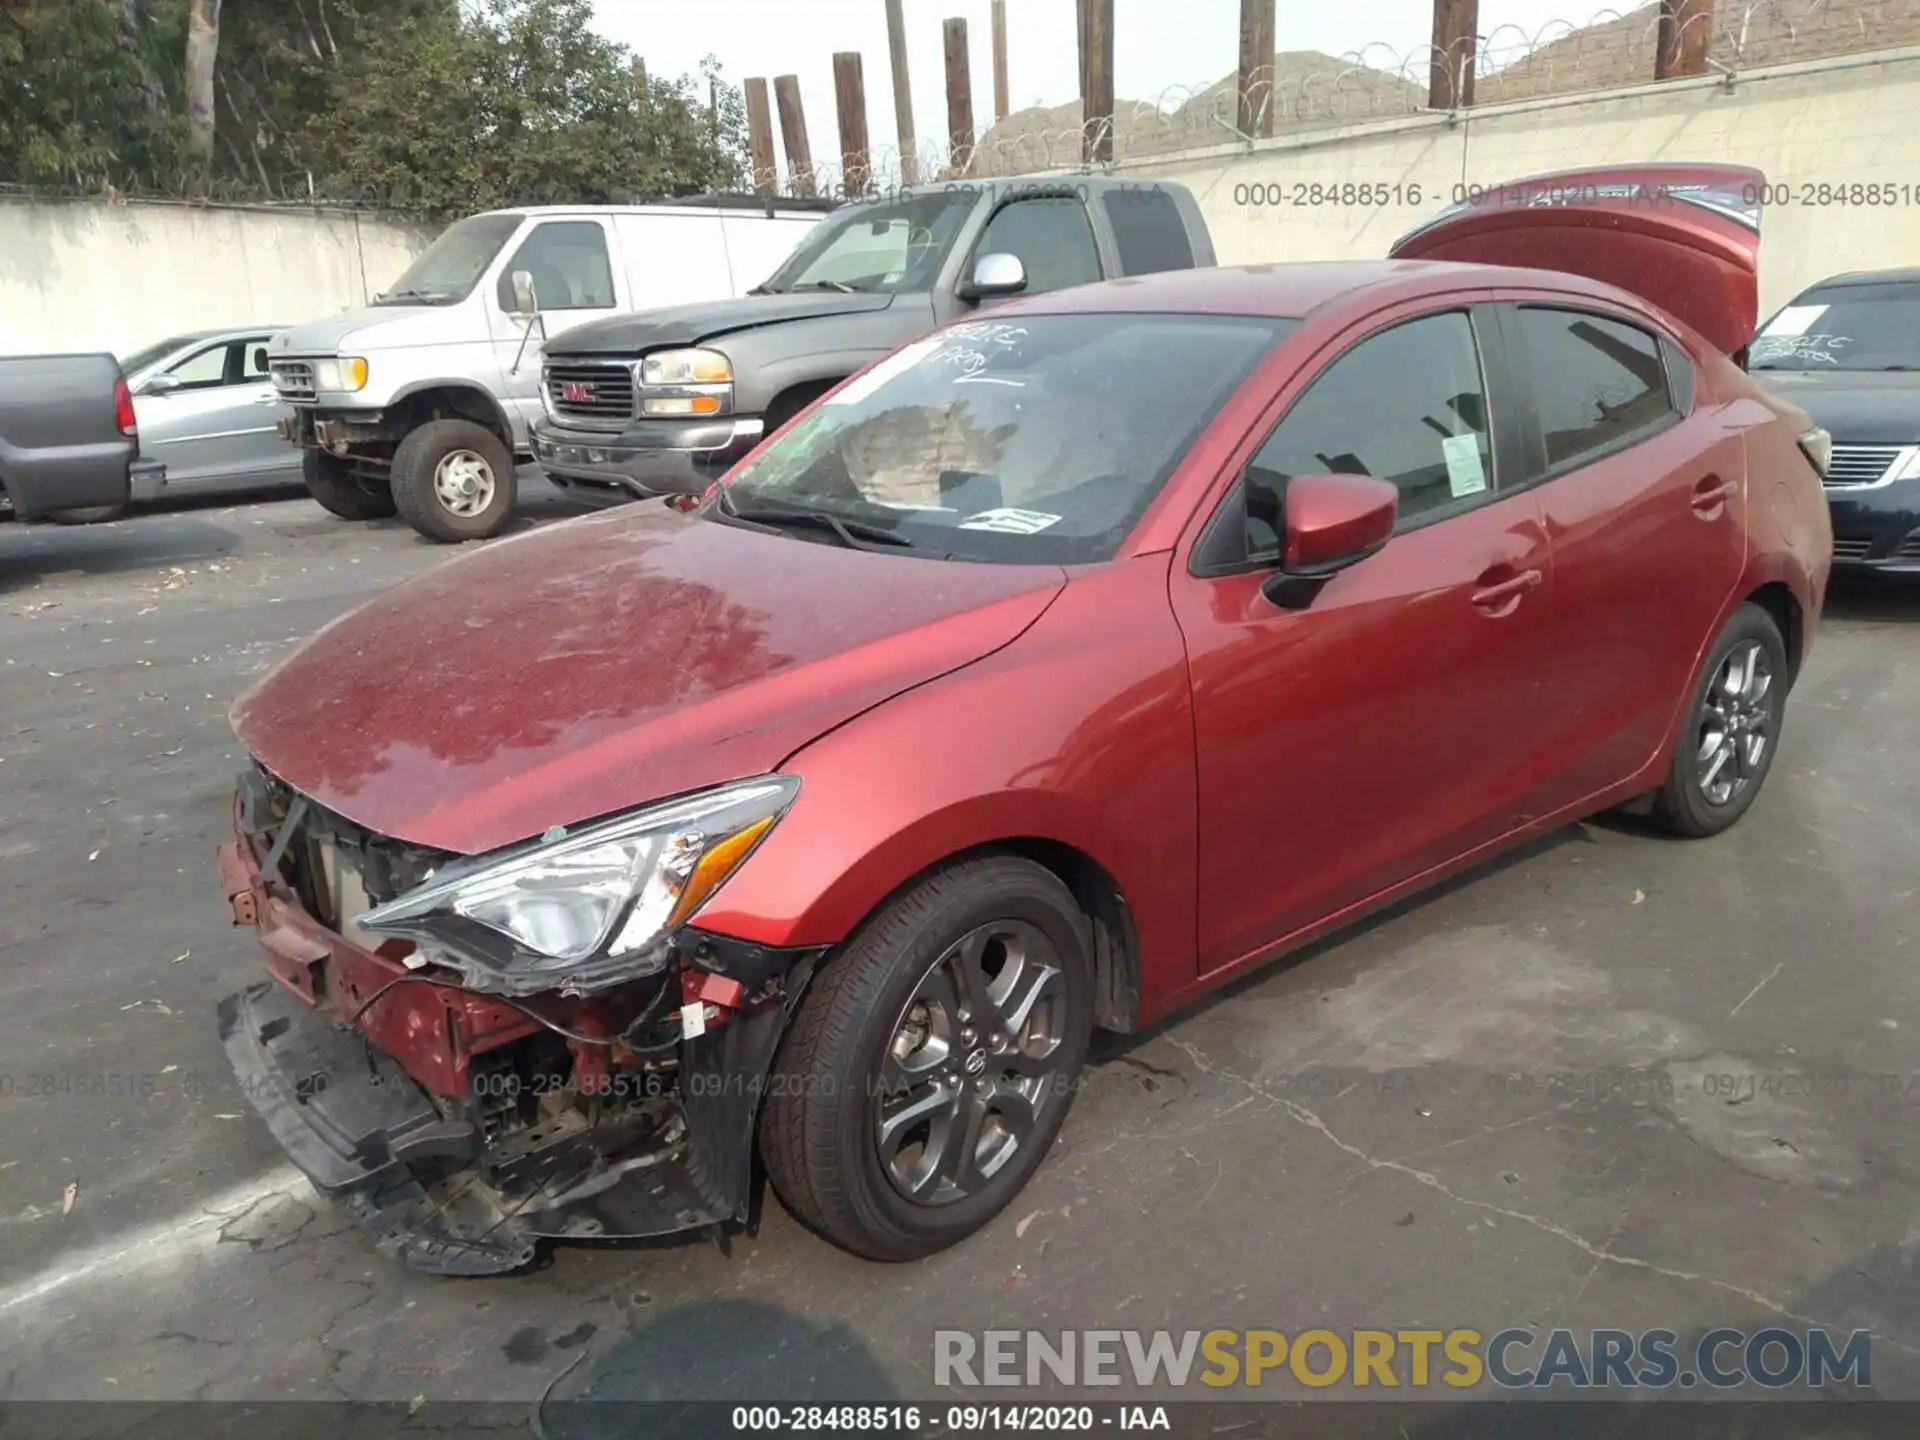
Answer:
x=207 y=412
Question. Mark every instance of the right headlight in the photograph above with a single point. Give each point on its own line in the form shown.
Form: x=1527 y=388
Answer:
x=585 y=911
x=345 y=375
x=686 y=367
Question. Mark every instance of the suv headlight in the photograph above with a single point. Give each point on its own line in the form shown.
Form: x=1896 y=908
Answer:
x=685 y=383
x=346 y=374
x=1909 y=468
x=581 y=912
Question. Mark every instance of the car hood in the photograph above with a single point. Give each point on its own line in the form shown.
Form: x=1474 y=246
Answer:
x=689 y=324
x=373 y=327
x=596 y=665
x=1858 y=407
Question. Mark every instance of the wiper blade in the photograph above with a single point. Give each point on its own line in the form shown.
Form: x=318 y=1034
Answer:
x=854 y=534
x=428 y=295
x=840 y=285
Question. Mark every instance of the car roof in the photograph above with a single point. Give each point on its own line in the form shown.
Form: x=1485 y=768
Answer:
x=1910 y=275
x=1291 y=289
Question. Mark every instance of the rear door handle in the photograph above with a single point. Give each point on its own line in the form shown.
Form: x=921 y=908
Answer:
x=1502 y=597
x=1711 y=495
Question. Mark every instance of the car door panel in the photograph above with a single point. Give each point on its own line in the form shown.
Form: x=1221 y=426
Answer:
x=1384 y=728
x=1648 y=541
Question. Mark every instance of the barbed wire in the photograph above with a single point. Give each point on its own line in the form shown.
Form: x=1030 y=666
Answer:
x=1302 y=91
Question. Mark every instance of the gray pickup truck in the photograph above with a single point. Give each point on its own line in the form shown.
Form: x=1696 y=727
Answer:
x=68 y=439
x=666 y=401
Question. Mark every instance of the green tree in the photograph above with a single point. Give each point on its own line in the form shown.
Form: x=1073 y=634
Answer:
x=87 y=89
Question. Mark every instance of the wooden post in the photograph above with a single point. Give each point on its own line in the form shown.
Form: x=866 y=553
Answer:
x=640 y=78
x=760 y=138
x=902 y=94
x=793 y=134
x=1001 y=109
x=1456 y=29
x=1686 y=33
x=959 y=97
x=1096 y=81
x=850 y=106
x=1256 y=68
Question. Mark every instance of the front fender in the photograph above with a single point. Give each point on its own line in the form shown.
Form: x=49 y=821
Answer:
x=1079 y=732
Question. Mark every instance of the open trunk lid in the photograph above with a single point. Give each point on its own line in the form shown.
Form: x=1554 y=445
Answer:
x=1684 y=237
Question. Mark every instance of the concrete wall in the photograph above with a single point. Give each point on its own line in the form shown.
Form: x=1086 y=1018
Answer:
x=1832 y=122
x=89 y=275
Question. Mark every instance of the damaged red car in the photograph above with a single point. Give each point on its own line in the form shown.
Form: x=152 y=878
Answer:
x=1053 y=671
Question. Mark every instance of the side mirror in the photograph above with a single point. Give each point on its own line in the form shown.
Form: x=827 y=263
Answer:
x=993 y=275
x=1331 y=522
x=260 y=365
x=160 y=385
x=526 y=300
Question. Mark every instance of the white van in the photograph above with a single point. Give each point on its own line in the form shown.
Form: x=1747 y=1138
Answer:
x=421 y=401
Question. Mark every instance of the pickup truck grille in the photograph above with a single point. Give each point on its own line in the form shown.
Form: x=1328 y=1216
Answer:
x=1861 y=464
x=293 y=379
x=598 y=396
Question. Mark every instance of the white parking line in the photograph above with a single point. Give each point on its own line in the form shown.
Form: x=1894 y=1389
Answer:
x=163 y=1241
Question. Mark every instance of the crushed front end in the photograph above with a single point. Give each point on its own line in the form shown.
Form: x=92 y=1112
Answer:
x=463 y=1104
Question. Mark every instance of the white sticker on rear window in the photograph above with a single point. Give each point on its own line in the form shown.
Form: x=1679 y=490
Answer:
x=1465 y=474
x=895 y=365
x=1794 y=320
x=1010 y=522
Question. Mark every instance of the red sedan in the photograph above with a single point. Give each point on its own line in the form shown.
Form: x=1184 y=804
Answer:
x=1066 y=664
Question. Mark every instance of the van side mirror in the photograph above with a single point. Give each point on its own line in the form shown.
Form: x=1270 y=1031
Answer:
x=160 y=385
x=526 y=300
x=260 y=365
x=1331 y=522
x=997 y=274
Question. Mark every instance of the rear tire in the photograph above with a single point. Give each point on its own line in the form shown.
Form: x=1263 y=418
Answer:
x=1726 y=746
x=88 y=515
x=454 y=480
x=331 y=481
x=932 y=1061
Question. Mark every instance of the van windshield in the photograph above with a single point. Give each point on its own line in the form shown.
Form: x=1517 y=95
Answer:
x=447 y=270
x=889 y=249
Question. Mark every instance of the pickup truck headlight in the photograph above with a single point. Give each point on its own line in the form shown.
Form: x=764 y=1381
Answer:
x=347 y=375
x=579 y=913
x=686 y=367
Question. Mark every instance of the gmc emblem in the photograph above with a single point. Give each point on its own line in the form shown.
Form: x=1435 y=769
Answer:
x=576 y=392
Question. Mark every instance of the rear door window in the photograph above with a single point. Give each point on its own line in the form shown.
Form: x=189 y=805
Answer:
x=1598 y=383
x=1148 y=230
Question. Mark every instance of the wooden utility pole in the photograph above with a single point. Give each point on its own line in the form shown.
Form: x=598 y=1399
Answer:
x=1456 y=31
x=959 y=97
x=850 y=106
x=1096 y=85
x=793 y=134
x=902 y=94
x=1000 y=105
x=1256 y=67
x=760 y=138
x=640 y=78
x=1686 y=33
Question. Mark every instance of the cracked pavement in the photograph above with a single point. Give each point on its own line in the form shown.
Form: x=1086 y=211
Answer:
x=1612 y=1080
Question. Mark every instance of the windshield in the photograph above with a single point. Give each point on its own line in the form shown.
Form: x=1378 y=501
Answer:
x=1846 y=327
x=448 y=269
x=889 y=248
x=1037 y=441
x=141 y=359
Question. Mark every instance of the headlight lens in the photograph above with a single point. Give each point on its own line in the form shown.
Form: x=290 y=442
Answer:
x=686 y=367
x=585 y=911
x=1910 y=467
x=348 y=374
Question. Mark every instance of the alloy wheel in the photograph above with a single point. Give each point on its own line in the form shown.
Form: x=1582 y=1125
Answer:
x=1736 y=724
x=463 y=482
x=975 y=1058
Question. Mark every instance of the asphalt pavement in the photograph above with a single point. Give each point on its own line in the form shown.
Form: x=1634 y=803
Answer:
x=1612 y=1081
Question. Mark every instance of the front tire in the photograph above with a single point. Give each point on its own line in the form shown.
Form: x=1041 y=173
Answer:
x=1726 y=747
x=454 y=480
x=933 y=1060
x=331 y=481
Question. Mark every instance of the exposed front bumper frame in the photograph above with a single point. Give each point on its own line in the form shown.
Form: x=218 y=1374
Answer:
x=649 y=458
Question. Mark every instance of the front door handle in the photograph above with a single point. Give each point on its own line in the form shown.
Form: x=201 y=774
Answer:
x=1502 y=597
x=1711 y=495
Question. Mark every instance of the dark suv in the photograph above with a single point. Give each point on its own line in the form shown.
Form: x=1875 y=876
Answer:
x=1847 y=351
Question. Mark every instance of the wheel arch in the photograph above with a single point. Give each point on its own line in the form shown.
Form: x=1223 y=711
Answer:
x=1776 y=597
x=450 y=399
